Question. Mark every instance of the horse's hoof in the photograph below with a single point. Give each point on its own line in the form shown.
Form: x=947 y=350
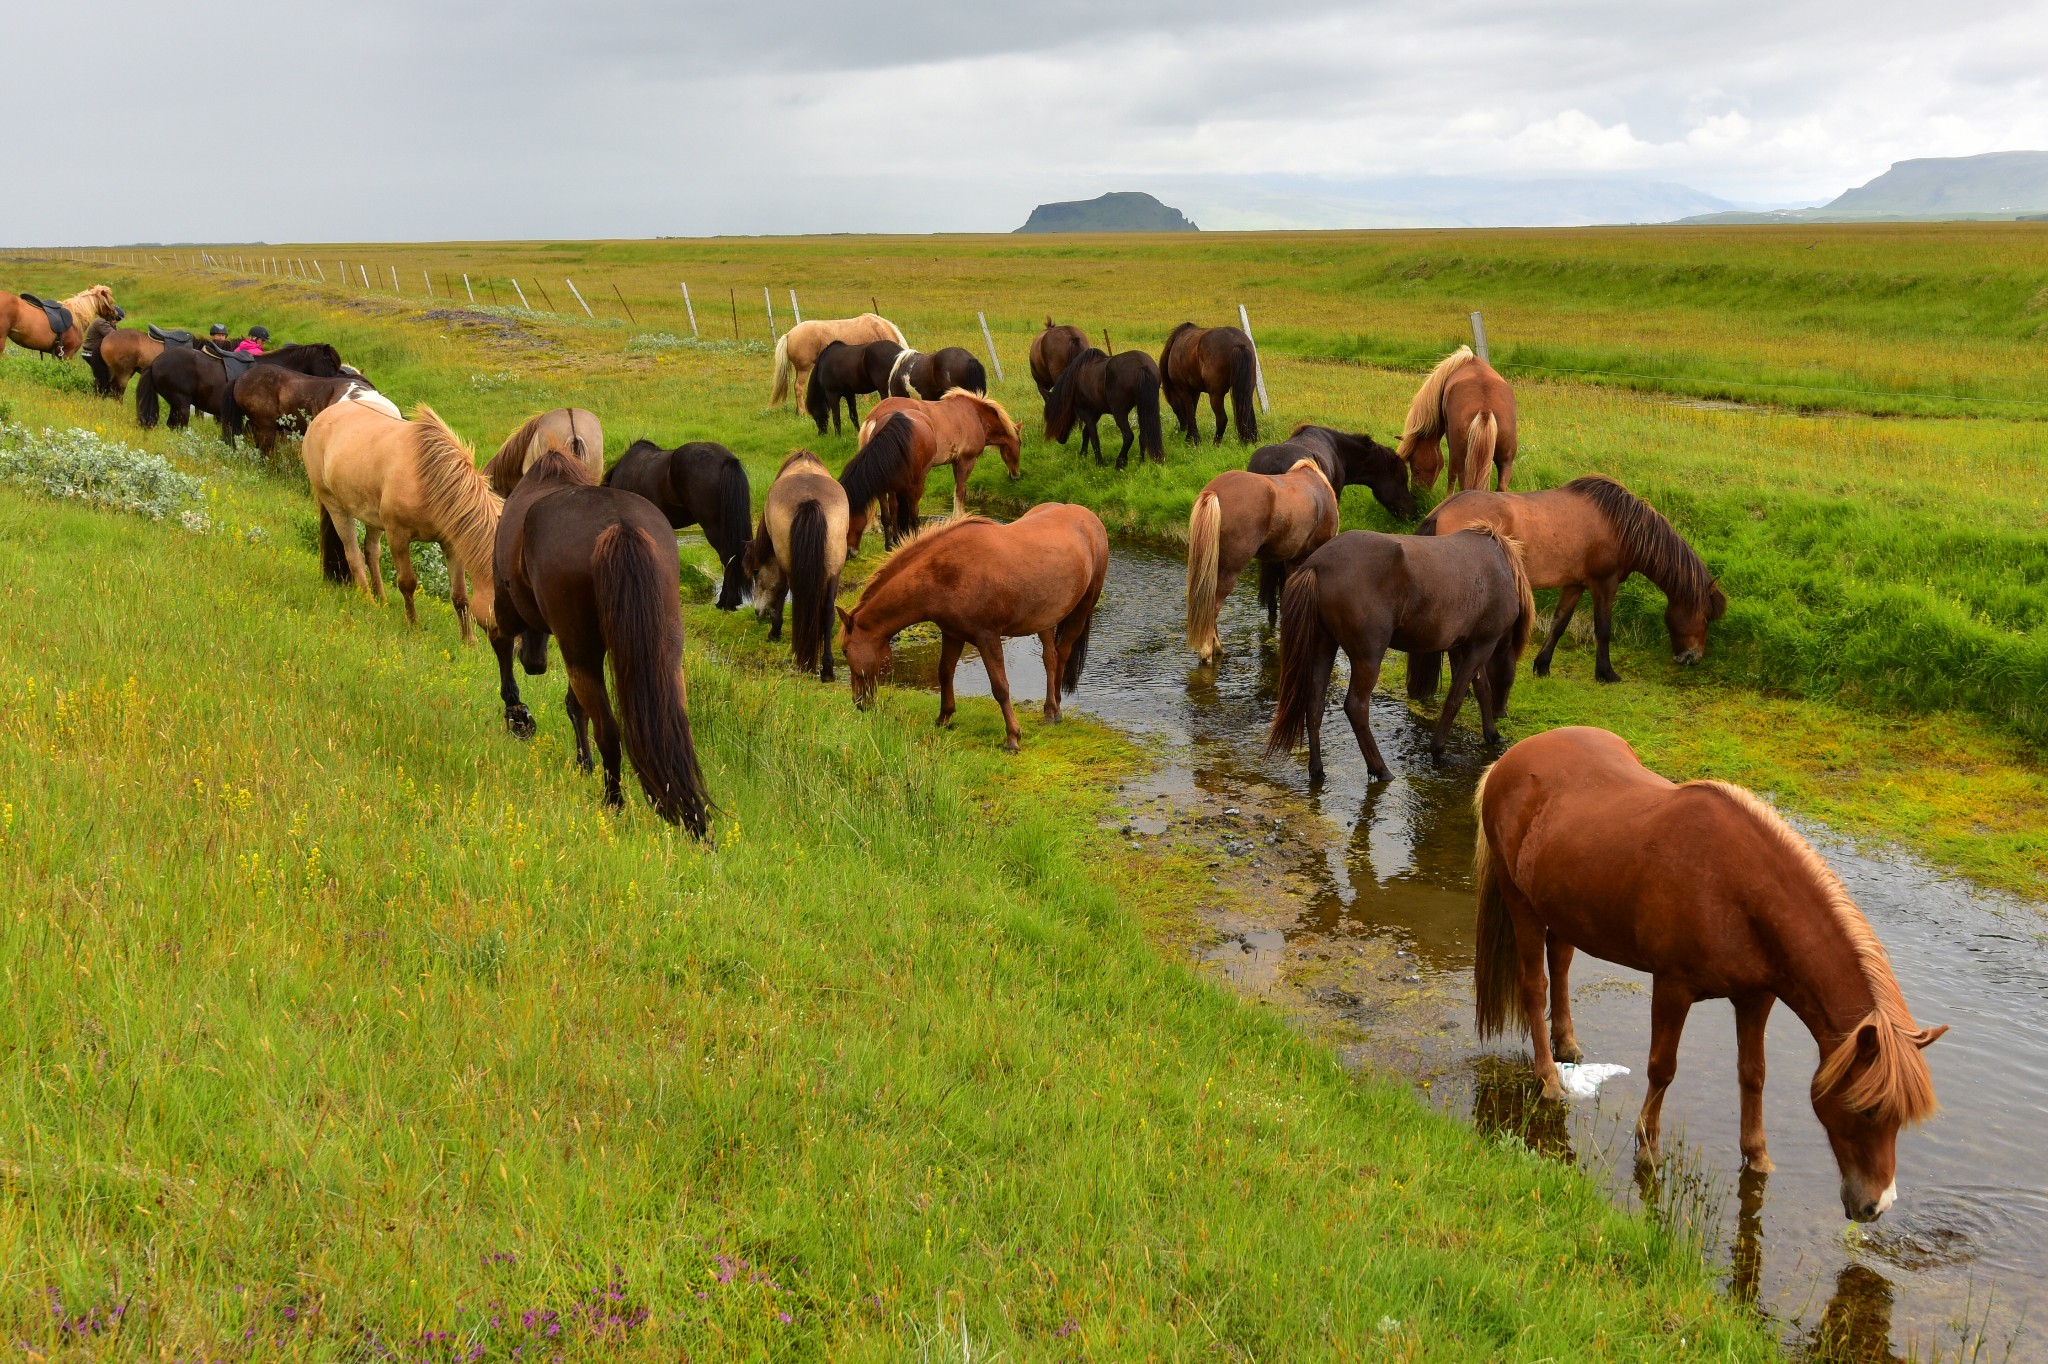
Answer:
x=1566 y=1052
x=1012 y=746
x=519 y=721
x=1541 y=667
x=584 y=765
x=1553 y=1092
x=1609 y=676
x=1379 y=774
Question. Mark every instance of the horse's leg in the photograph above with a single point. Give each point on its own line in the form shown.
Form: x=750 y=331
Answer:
x=1091 y=439
x=518 y=719
x=588 y=685
x=1216 y=406
x=1564 y=1042
x=351 y=548
x=1603 y=628
x=963 y=469
x=990 y=647
x=1319 y=688
x=1530 y=935
x=1483 y=693
x=408 y=581
x=579 y=721
x=1464 y=663
x=1123 y=428
x=1365 y=675
x=458 y=592
x=1049 y=645
x=373 y=559
x=1567 y=602
x=778 y=600
x=949 y=659
x=1751 y=1013
x=1669 y=1005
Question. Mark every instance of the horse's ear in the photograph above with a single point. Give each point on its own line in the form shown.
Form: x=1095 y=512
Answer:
x=845 y=617
x=1927 y=1036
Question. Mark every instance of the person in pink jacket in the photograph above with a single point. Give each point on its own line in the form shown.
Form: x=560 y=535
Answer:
x=252 y=344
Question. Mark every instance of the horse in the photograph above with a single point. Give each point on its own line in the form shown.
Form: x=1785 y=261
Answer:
x=1346 y=459
x=26 y=320
x=1278 y=519
x=700 y=483
x=1052 y=350
x=980 y=582
x=273 y=399
x=954 y=430
x=797 y=349
x=1217 y=361
x=115 y=355
x=917 y=375
x=1465 y=399
x=1590 y=535
x=844 y=372
x=574 y=429
x=798 y=552
x=1094 y=385
x=596 y=568
x=1706 y=888
x=1463 y=594
x=189 y=377
x=411 y=480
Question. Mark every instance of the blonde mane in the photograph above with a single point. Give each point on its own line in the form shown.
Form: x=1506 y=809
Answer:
x=987 y=404
x=1426 y=414
x=464 y=508
x=1317 y=469
x=84 y=305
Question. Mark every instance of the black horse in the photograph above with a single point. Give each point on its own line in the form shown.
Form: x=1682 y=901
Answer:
x=845 y=372
x=932 y=377
x=1345 y=459
x=698 y=484
x=196 y=377
x=1095 y=385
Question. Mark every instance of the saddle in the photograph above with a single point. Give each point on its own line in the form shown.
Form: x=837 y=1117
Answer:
x=59 y=316
x=170 y=337
x=237 y=365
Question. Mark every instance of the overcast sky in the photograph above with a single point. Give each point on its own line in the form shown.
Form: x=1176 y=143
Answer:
x=524 y=118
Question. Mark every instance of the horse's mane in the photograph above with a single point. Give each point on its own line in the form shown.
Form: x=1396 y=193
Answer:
x=1059 y=404
x=463 y=506
x=505 y=467
x=1426 y=413
x=987 y=404
x=910 y=548
x=84 y=305
x=874 y=469
x=557 y=465
x=1897 y=1085
x=1525 y=620
x=797 y=457
x=895 y=332
x=1661 y=552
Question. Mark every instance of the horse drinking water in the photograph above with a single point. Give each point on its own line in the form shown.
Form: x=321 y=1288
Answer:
x=698 y=484
x=1278 y=519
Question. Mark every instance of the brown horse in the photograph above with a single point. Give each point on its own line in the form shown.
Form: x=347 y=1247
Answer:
x=961 y=425
x=1218 y=361
x=596 y=568
x=563 y=428
x=699 y=483
x=1589 y=535
x=274 y=400
x=1095 y=385
x=981 y=582
x=913 y=374
x=799 y=551
x=1347 y=459
x=1703 y=886
x=1462 y=594
x=797 y=349
x=1465 y=399
x=1052 y=350
x=1278 y=519
x=115 y=355
x=189 y=377
x=23 y=321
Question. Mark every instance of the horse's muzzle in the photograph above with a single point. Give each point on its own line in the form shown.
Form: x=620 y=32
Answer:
x=1689 y=657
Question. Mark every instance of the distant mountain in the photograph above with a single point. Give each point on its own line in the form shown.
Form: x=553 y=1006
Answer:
x=1241 y=203
x=1932 y=188
x=1121 y=212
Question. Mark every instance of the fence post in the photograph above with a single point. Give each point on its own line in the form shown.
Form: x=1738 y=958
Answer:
x=627 y=306
x=1479 y=337
x=364 y=271
x=466 y=287
x=689 y=309
x=522 y=296
x=323 y=273
x=1107 y=347
x=579 y=298
x=732 y=296
x=768 y=301
x=989 y=341
x=799 y=312
x=430 y=283
x=394 y=280
x=1258 y=368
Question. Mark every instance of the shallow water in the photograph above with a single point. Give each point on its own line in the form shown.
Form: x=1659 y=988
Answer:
x=1962 y=1259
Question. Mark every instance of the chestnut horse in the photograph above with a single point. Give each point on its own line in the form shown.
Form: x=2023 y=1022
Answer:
x=1095 y=385
x=115 y=355
x=980 y=582
x=798 y=552
x=1278 y=519
x=961 y=425
x=1462 y=594
x=564 y=428
x=25 y=323
x=1589 y=535
x=1052 y=350
x=1466 y=400
x=274 y=400
x=1703 y=886
x=1346 y=459
x=797 y=349
x=700 y=483
x=596 y=568
x=842 y=373
x=914 y=374
x=1218 y=361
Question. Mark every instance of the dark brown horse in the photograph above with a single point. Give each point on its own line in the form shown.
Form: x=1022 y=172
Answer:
x=1052 y=350
x=1218 y=361
x=1277 y=519
x=844 y=372
x=798 y=552
x=274 y=401
x=1703 y=886
x=1466 y=400
x=980 y=582
x=596 y=568
x=931 y=377
x=1589 y=535
x=698 y=484
x=189 y=378
x=1346 y=459
x=1465 y=595
x=1095 y=385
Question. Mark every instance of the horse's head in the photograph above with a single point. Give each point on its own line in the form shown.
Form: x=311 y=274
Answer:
x=1688 y=620
x=1873 y=1084
x=1368 y=463
x=103 y=303
x=867 y=656
x=764 y=571
x=1003 y=434
x=1425 y=461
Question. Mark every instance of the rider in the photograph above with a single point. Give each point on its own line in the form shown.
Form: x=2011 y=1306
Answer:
x=252 y=344
x=218 y=334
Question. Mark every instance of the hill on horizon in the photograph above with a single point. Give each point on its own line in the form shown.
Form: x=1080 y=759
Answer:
x=1126 y=211
x=1989 y=185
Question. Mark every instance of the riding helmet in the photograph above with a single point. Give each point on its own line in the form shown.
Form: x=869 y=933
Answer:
x=261 y=333
x=217 y=329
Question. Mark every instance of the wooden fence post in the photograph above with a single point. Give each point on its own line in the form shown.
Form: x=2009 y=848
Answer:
x=522 y=296
x=1258 y=368
x=430 y=283
x=989 y=341
x=732 y=296
x=1479 y=337
x=1107 y=347
x=798 y=312
x=316 y=266
x=579 y=298
x=394 y=280
x=364 y=271
x=689 y=309
x=627 y=306
x=768 y=301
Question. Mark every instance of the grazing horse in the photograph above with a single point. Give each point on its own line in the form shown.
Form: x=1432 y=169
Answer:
x=273 y=400
x=31 y=322
x=596 y=568
x=698 y=484
x=843 y=373
x=1218 y=361
x=411 y=480
x=115 y=355
x=1590 y=535
x=1095 y=385
x=1466 y=400
x=1346 y=460
x=798 y=552
x=188 y=377
x=981 y=582
x=931 y=377
x=797 y=349
x=1703 y=886
x=959 y=427
x=573 y=429
x=1278 y=519
x=894 y=457
x=1463 y=594
x=1052 y=350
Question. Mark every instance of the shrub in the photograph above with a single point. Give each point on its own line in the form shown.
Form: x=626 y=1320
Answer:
x=85 y=466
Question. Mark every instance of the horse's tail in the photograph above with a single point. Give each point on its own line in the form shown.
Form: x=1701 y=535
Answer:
x=810 y=587
x=1424 y=672
x=1480 y=438
x=333 y=556
x=147 y=410
x=1428 y=526
x=642 y=627
x=815 y=402
x=782 y=367
x=1496 y=960
x=1205 y=536
x=1151 y=443
x=1243 y=373
x=1077 y=658
x=1307 y=650
x=735 y=511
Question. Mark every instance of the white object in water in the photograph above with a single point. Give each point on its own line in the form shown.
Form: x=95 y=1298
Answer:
x=1584 y=1081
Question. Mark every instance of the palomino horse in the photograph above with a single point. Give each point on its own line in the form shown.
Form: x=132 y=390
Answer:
x=980 y=582
x=564 y=428
x=115 y=355
x=25 y=321
x=1703 y=886
x=411 y=480
x=1590 y=535
x=1095 y=385
x=960 y=426
x=274 y=400
x=797 y=349
x=1463 y=594
x=1346 y=459
x=798 y=552
x=1218 y=361
x=596 y=568
x=842 y=374
x=189 y=378
x=697 y=484
x=1278 y=519
x=1466 y=400
x=1052 y=350
x=917 y=375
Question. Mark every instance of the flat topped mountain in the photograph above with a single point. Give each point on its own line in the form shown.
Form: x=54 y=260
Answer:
x=1124 y=212
x=1996 y=182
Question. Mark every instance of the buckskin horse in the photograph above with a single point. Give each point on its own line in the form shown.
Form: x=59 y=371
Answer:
x=1278 y=519
x=1347 y=459
x=1590 y=535
x=53 y=327
x=1701 y=885
x=1218 y=361
x=596 y=568
x=842 y=373
x=1465 y=400
x=980 y=582
x=572 y=429
x=956 y=428
x=1466 y=595
x=931 y=377
x=798 y=552
x=1052 y=350
x=797 y=349
x=1095 y=385
x=700 y=483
